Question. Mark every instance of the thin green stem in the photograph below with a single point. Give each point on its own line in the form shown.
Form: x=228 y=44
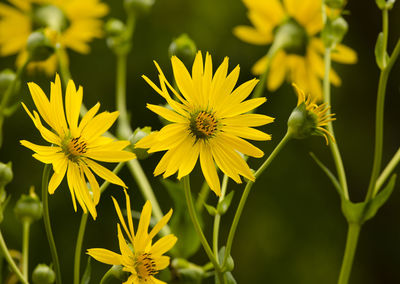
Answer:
x=246 y=192
x=63 y=65
x=351 y=246
x=333 y=145
x=203 y=195
x=47 y=225
x=25 y=248
x=4 y=251
x=196 y=223
x=387 y=171
x=82 y=228
x=385 y=28
x=124 y=128
x=217 y=217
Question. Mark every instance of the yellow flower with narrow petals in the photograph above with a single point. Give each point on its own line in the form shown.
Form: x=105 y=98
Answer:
x=75 y=146
x=209 y=121
x=76 y=22
x=309 y=118
x=305 y=65
x=143 y=259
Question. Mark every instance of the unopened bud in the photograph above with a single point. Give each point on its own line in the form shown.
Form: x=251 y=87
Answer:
x=334 y=31
x=6 y=78
x=28 y=207
x=50 y=16
x=117 y=38
x=291 y=37
x=302 y=123
x=43 y=275
x=184 y=48
x=114 y=27
x=6 y=174
x=138 y=134
x=39 y=45
x=139 y=7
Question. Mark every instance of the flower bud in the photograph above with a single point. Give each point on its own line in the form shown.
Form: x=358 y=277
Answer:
x=334 y=31
x=50 y=16
x=6 y=174
x=6 y=78
x=335 y=4
x=183 y=47
x=40 y=45
x=114 y=27
x=291 y=37
x=43 y=274
x=301 y=123
x=138 y=134
x=139 y=7
x=117 y=39
x=28 y=207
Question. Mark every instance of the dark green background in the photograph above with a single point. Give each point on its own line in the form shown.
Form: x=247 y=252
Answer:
x=292 y=229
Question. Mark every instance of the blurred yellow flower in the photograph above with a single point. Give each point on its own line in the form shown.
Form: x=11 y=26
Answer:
x=303 y=66
x=143 y=259
x=76 y=22
x=75 y=146
x=209 y=121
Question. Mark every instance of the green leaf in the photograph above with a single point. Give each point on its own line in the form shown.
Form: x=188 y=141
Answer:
x=87 y=273
x=223 y=206
x=229 y=262
x=211 y=209
x=330 y=175
x=381 y=55
x=180 y=223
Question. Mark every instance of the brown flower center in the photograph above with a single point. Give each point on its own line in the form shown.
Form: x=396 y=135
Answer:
x=76 y=147
x=145 y=266
x=203 y=125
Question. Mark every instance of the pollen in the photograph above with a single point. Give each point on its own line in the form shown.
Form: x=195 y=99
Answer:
x=145 y=266
x=203 y=125
x=76 y=147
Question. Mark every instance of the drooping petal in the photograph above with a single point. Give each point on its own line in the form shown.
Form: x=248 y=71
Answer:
x=105 y=256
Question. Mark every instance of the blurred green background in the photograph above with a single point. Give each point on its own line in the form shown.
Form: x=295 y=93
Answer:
x=292 y=229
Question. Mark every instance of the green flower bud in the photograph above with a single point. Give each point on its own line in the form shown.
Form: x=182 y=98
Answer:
x=138 y=134
x=43 y=274
x=28 y=207
x=139 y=7
x=6 y=77
x=49 y=16
x=187 y=271
x=184 y=48
x=334 y=31
x=385 y=5
x=6 y=174
x=117 y=39
x=39 y=45
x=302 y=123
x=114 y=27
x=335 y=4
x=291 y=37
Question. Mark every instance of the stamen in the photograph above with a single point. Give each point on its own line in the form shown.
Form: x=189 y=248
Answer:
x=203 y=125
x=76 y=147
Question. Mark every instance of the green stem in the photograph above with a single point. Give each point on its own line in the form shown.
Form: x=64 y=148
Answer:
x=196 y=223
x=7 y=256
x=25 y=248
x=333 y=145
x=82 y=228
x=351 y=246
x=63 y=65
x=47 y=225
x=217 y=217
x=124 y=129
x=246 y=192
x=387 y=171
x=203 y=195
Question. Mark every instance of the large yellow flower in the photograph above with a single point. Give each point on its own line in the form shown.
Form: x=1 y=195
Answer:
x=76 y=23
x=304 y=66
x=209 y=121
x=75 y=146
x=144 y=259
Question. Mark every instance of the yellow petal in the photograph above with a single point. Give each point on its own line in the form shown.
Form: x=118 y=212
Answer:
x=208 y=168
x=157 y=228
x=57 y=177
x=144 y=222
x=166 y=113
x=122 y=221
x=241 y=145
x=104 y=173
x=344 y=54
x=246 y=132
x=110 y=156
x=163 y=245
x=277 y=72
x=98 y=125
x=73 y=102
x=57 y=107
x=251 y=35
x=183 y=80
x=88 y=117
x=250 y=120
x=105 y=256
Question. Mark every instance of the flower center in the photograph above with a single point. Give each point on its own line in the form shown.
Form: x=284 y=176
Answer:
x=145 y=266
x=203 y=125
x=75 y=147
x=291 y=37
x=49 y=16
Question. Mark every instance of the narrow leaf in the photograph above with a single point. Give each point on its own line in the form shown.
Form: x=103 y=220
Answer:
x=330 y=175
x=223 y=206
x=380 y=54
x=88 y=271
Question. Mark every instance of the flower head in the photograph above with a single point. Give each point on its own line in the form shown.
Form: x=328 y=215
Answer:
x=300 y=59
x=75 y=146
x=308 y=118
x=142 y=259
x=209 y=120
x=75 y=22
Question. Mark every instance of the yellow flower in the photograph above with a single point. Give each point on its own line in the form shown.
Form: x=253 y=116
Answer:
x=308 y=118
x=75 y=146
x=303 y=66
x=143 y=259
x=209 y=121
x=76 y=22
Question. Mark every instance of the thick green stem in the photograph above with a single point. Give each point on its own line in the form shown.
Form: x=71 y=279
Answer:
x=351 y=246
x=47 y=225
x=82 y=228
x=196 y=223
x=245 y=194
x=333 y=145
x=4 y=251
x=25 y=248
x=217 y=217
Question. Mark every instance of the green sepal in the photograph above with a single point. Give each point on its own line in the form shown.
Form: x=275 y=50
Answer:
x=334 y=31
x=223 y=206
x=230 y=264
x=211 y=209
x=385 y=5
x=180 y=223
x=87 y=273
x=359 y=213
x=381 y=55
